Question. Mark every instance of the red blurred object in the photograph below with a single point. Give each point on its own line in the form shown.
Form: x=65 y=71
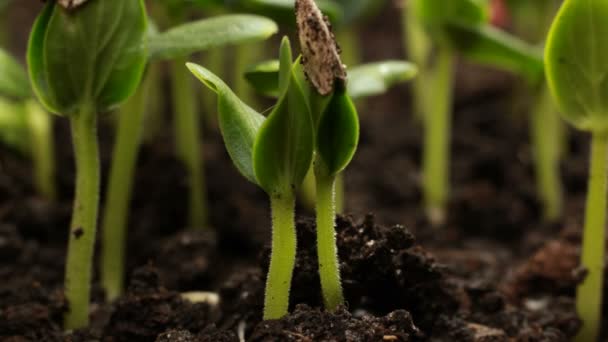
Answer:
x=499 y=13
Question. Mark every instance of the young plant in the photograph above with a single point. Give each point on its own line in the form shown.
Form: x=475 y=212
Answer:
x=174 y=44
x=274 y=153
x=458 y=26
x=576 y=66
x=38 y=136
x=81 y=70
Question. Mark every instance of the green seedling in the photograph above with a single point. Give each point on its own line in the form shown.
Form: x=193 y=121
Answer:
x=80 y=70
x=173 y=44
x=275 y=153
x=35 y=137
x=576 y=66
x=459 y=26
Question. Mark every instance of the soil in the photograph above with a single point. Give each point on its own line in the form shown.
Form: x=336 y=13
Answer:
x=494 y=272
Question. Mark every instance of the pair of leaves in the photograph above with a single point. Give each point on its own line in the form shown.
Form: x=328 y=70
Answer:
x=273 y=152
x=91 y=56
x=463 y=25
x=576 y=57
x=363 y=81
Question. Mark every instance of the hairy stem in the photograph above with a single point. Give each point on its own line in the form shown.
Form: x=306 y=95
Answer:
x=329 y=265
x=84 y=218
x=118 y=197
x=188 y=137
x=437 y=122
x=589 y=293
x=42 y=148
x=546 y=127
x=282 y=258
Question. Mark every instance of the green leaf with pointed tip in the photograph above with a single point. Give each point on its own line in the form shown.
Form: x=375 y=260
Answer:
x=93 y=55
x=338 y=133
x=239 y=123
x=485 y=44
x=188 y=38
x=577 y=63
x=14 y=82
x=377 y=78
x=283 y=149
x=363 y=81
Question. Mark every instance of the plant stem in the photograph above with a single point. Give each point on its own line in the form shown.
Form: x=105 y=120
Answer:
x=154 y=120
x=84 y=218
x=42 y=148
x=329 y=265
x=244 y=56
x=188 y=137
x=120 y=183
x=282 y=258
x=437 y=122
x=589 y=293
x=340 y=192
x=546 y=127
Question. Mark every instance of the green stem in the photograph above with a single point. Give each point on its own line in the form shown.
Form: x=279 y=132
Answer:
x=84 y=218
x=437 y=122
x=308 y=192
x=349 y=44
x=42 y=148
x=589 y=293
x=329 y=265
x=122 y=170
x=188 y=137
x=282 y=258
x=340 y=191
x=546 y=127
x=154 y=120
x=244 y=56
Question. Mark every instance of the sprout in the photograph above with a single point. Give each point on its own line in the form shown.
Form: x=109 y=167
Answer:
x=577 y=63
x=275 y=153
x=105 y=63
x=458 y=26
x=174 y=44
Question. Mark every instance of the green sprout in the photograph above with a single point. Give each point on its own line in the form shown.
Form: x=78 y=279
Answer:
x=459 y=26
x=105 y=62
x=275 y=153
x=36 y=137
x=576 y=66
x=173 y=44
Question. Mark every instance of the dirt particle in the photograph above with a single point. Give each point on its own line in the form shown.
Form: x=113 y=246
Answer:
x=78 y=233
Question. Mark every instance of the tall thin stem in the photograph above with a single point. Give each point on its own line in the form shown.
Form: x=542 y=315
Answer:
x=84 y=218
x=188 y=138
x=282 y=258
x=42 y=148
x=329 y=266
x=118 y=197
x=589 y=293
x=546 y=127
x=437 y=123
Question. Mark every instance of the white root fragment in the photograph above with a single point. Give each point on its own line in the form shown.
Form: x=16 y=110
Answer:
x=210 y=298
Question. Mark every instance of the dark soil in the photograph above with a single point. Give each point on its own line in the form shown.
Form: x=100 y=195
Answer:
x=493 y=272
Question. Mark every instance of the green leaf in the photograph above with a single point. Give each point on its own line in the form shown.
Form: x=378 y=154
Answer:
x=577 y=63
x=377 y=78
x=363 y=80
x=94 y=55
x=14 y=82
x=188 y=38
x=283 y=149
x=338 y=133
x=435 y=14
x=485 y=44
x=239 y=123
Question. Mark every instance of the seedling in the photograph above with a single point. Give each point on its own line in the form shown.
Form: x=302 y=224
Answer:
x=173 y=45
x=459 y=26
x=36 y=136
x=105 y=62
x=576 y=67
x=274 y=153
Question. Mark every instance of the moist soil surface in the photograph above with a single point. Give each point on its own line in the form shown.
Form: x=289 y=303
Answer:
x=493 y=272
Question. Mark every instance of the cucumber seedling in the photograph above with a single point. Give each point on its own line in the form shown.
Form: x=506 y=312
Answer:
x=576 y=58
x=26 y=115
x=80 y=70
x=275 y=153
x=174 y=44
x=450 y=28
